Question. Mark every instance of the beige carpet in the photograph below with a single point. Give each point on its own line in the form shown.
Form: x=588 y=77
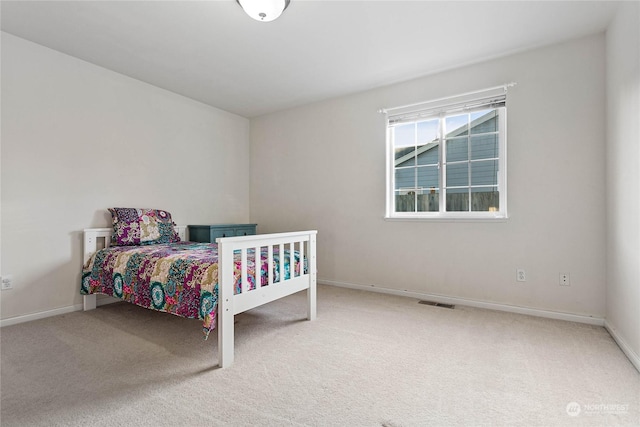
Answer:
x=368 y=360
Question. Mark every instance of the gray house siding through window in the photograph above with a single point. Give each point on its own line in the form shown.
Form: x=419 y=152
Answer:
x=417 y=167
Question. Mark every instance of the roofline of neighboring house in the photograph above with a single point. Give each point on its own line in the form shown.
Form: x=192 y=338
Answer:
x=435 y=142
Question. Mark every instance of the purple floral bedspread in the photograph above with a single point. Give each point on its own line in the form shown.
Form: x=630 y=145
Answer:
x=178 y=278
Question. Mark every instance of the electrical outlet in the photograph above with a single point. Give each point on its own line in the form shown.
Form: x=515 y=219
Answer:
x=565 y=279
x=7 y=282
x=521 y=276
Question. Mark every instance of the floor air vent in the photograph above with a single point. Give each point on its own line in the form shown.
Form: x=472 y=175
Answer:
x=436 y=304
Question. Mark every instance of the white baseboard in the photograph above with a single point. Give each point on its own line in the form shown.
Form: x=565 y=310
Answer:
x=598 y=321
x=628 y=351
x=39 y=315
x=101 y=300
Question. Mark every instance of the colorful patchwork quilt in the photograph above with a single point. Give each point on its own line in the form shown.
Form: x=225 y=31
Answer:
x=178 y=278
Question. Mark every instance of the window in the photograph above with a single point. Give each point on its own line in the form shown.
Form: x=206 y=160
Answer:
x=447 y=159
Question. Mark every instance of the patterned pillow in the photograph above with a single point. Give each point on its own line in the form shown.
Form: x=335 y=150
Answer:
x=133 y=227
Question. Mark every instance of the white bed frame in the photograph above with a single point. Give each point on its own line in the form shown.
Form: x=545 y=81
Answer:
x=229 y=303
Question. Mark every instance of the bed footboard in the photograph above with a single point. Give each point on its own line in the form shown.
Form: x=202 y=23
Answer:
x=230 y=304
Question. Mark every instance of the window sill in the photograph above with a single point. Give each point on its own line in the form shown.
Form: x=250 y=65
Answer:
x=448 y=218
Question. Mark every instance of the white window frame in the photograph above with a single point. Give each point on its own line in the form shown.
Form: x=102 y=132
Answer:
x=439 y=109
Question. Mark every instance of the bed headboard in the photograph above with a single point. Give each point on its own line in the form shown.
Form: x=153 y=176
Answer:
x=93 y=237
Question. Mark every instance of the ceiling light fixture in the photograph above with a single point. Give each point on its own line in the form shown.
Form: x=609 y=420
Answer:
x=264 y=10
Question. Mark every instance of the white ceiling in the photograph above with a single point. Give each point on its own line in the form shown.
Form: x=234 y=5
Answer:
x=212 y=52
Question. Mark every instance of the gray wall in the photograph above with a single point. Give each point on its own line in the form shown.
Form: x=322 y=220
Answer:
x=556 y=181
x=623 y=178
x=77 y=139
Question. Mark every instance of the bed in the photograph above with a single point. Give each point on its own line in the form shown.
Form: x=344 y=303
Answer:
x=224 y=278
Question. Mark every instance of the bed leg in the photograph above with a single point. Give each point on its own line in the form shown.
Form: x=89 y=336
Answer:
x=311 y=300
x=311 y=291
x=225 y=334
x=225 y=305
x=89 y=302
